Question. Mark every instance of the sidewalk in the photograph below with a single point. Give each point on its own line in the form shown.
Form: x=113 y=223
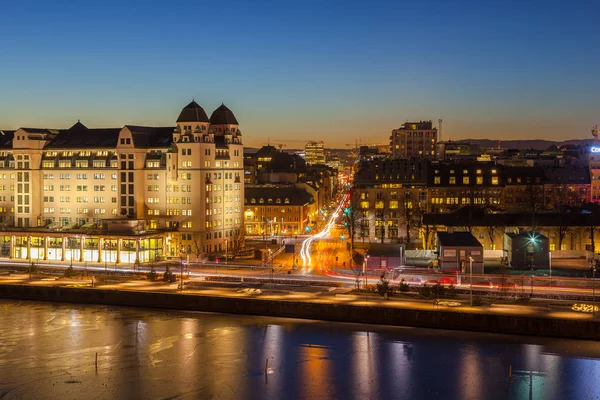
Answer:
x=536 y=308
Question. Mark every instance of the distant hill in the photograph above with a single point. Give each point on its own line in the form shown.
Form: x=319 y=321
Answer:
x=536 y=144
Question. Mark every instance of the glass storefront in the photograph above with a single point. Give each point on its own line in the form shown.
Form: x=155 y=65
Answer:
x=55 y=248
x=73 y=249
x=151 y=250
x=4 y=246
x=109 y=250
x=128 y=251
x=20 y=247
x=90 y=249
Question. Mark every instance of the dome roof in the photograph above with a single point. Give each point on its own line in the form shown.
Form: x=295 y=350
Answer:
x=192 y=113
x=223 y=115
x=266 y=151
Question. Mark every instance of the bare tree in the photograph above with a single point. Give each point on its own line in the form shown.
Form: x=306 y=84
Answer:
x=563 y=200
x=534 y=201
x=197 y=244
x=492 y=230
x=411 y=213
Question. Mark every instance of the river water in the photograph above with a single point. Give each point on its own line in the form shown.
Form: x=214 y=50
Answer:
x=48 y=351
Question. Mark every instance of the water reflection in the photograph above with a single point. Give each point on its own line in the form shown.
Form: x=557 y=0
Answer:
x=48 y=351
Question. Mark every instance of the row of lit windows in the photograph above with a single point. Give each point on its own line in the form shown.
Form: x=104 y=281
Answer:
x=269 y=201
x=175 y=200
x=79 y=176
x=465 y=180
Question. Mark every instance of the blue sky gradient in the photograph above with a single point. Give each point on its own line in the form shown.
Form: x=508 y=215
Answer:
x=336 y=70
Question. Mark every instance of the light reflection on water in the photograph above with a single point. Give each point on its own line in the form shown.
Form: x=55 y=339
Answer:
x=48 y=351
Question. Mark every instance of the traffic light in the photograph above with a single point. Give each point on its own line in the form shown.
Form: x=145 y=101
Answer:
x=343 y=237
x=346 y=211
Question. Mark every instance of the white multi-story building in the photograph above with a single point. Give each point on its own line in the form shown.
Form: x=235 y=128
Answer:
x=185 y=181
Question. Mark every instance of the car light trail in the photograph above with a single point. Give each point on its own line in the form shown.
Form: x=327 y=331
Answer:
x=306 y=244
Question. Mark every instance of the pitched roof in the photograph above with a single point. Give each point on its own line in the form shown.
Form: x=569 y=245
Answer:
x=223 y=115
x=192 y=113
x=147 y=136
x=296 y=196
x=6 y=138
x=79 y=136
x=457 y=239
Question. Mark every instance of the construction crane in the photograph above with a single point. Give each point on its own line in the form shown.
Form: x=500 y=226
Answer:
x=595 y=133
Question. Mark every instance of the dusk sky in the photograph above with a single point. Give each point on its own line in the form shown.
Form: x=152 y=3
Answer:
x=293 y=71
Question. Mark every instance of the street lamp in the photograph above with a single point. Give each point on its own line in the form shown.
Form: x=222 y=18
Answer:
x=365 y=274
x=105 y=257
x=181 y=253
x=532 y=240
x=30 y=259
x=471 y=280
x=594 y=287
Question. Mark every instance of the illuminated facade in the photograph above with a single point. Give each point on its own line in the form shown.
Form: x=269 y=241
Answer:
x=184 y=181
x=314 y=153
x=414 y=139
x=278 y=210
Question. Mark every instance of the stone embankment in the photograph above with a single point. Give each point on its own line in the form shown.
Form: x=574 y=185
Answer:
x=480 y=321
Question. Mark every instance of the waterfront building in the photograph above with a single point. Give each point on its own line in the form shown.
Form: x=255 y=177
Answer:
x=414 y=139
x=183 y=181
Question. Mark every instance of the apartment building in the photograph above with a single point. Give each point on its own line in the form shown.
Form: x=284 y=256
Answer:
x=278 y=210
x=184 y=180
x=414 y=139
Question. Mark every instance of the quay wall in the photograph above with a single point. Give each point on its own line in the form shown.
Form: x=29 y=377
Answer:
x=439 y=319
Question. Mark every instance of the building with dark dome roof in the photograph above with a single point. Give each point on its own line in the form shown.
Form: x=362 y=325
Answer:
x=193 y=112
x=223 y=116
x=157 y=186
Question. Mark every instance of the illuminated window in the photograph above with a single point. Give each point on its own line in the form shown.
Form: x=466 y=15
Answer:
x=364 y=204
x=453 y=180
x=465 y=180
x=393 y=204
x=379 y=204
x=480 y=180
x=494 y=180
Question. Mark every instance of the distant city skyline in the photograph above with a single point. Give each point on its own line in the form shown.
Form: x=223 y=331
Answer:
x=297 y=71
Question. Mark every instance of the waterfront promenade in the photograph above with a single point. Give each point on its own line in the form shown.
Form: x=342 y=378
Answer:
x=511 y=315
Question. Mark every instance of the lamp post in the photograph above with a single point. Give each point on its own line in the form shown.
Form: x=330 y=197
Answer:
x=105 y=257
x=181 y=253
x=365 y=274
x=71 y=247
x=30 y=259
x=471 y=280
x=593 y=287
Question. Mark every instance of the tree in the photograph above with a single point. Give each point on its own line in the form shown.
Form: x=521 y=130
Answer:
x=198 y=244
x=564 y=200
x=534 y=201
x=411 y=213
x=383 y=286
